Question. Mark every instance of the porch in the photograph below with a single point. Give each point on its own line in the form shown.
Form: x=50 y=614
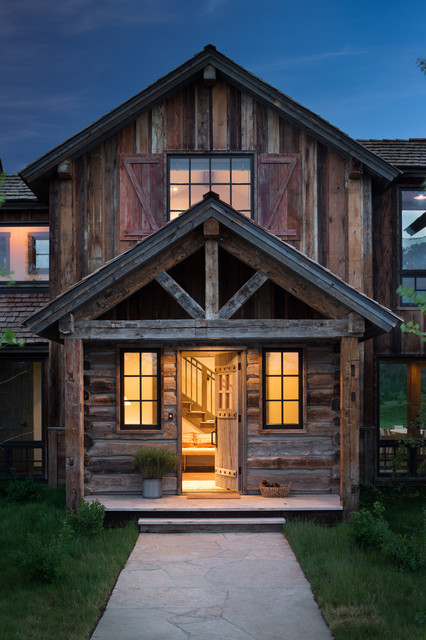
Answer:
x=200 y=513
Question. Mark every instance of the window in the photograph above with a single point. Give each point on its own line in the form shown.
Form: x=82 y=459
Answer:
x=190 y=177
x=24 y=253
x=22 y=417
x=402 y=414
x=282 y=389
x=140 y=389
x=413 y=240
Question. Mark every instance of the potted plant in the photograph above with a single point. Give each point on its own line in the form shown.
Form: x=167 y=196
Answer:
x=154 y=463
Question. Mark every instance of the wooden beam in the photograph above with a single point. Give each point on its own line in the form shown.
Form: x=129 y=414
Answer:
x=177 y=331
x=243 y=294
x=212 y=279
x=179 y=294
x=74 y=420
x=349 y=424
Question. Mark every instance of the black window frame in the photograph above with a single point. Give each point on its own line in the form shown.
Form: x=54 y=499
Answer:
x=140 y=427
x=10 y=281
x=409 y=274
x=283 y=427
x=33 y=236
x=5 y=269
x=211 y=156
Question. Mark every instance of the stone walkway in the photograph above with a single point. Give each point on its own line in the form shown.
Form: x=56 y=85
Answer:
x=218 y=586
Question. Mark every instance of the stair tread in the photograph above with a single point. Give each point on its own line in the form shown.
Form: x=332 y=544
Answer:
x=156 y=521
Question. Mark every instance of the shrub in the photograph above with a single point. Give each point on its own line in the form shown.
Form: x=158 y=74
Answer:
x=23 y=489
x=370 y=529
x=40 y=562
x=154 y=462
x=87 y=522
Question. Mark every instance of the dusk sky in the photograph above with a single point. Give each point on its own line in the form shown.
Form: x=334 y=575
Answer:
x=66 y=64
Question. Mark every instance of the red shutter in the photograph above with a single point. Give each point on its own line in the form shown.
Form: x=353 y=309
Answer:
x=279 y=194
x=141 y=195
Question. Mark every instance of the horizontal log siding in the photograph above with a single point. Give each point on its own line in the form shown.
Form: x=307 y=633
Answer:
x=309 y=459
x=108 y=452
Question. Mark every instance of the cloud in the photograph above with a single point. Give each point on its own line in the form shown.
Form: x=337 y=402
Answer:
x=308 y=60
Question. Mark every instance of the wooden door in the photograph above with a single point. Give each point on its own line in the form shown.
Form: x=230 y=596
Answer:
x=227 y=412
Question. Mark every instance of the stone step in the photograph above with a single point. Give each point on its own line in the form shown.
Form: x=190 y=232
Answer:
x=181 y=524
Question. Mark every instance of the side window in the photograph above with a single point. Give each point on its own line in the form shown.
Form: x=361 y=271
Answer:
x=413 y=240
x=190 y=177
x=24 y=253
x=140 y=389
x=282 y=389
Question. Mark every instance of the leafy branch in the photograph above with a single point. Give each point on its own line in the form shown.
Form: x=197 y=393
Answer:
x=416 y=299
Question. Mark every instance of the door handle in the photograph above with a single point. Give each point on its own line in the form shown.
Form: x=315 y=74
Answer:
x=213 y=438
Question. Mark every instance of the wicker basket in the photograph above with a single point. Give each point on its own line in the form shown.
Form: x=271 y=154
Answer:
x=280 y=491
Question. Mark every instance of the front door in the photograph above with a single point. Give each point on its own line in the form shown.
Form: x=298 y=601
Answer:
x=227 y=420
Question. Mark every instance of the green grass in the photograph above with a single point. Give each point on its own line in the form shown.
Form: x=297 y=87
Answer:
x=69 y=607
x=361 y=595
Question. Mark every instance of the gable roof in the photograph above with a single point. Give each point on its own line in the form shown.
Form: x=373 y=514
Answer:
x=108 y=279
x=181 y=77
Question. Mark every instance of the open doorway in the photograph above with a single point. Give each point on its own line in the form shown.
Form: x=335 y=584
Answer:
x=210 y=421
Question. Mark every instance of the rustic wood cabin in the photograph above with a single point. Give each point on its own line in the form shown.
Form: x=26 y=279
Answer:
x=215 y=267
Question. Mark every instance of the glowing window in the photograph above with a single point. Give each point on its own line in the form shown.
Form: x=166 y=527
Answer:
x=140 y=390
x=24 y=253
x=282 y=389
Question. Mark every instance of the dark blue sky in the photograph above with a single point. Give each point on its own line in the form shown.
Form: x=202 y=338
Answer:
x=66 y=64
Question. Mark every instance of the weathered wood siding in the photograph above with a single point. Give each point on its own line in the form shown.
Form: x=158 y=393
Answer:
x=309 y=459
x=327 y=210
x=108 y=452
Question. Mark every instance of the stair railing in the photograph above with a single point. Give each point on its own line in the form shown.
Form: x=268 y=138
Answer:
x=198 y=383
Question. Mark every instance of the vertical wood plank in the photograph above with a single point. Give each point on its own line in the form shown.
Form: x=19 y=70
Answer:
x=189 y=117
x=142 y=143
x=309 y=194
x=174 y=119
x=74 y=431
x=337 y=222
x=290 y=137
x=69 y=264
x=158 y=128
x=109 y=201
x=273 y=132
x=212 y=279
x=349 y=424
x=234 y=118
x=202 y=118
x=322 y=241
x=219 y=115
x=247 y=122
x=355 y=233
x=261 y=142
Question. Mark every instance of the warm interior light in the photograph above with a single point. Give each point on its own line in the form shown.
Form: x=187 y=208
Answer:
x=421 y=196
x=126 y=402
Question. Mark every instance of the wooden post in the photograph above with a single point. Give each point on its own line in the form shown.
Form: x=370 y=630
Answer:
x=349 y=425
x=74 y=432
x=211 y=233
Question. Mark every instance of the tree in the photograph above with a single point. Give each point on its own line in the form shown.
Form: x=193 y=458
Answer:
x=421 y=63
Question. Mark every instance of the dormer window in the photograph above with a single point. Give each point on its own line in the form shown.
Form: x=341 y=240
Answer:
x=190 y=177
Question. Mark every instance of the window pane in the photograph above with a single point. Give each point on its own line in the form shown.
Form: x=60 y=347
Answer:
x=291 y=363
x=291 y=388
x=179 y=170
x=149 y=388
x=274 y=388
x=221 y=170
x=131 y=364
x=241 y=170
x=291 y=413
x=223 y=191
x=241 y=196
x=132 y=388
x=413 y=232
x=197 y=192
x=21 y=400
x=273 y=363
x=393 y=394
x=132 y=413
x=149 y=364
x=273 y=413
x=149 y=413
x=179 y=198
x=200 y=170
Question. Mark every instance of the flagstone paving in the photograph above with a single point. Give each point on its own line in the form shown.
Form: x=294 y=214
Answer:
x=218 y=586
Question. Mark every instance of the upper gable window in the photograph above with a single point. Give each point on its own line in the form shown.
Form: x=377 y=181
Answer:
x=24 y=253
x=190 y=177
x=413 y=240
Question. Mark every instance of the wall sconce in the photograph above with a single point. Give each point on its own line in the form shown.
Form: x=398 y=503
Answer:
x=170 y=415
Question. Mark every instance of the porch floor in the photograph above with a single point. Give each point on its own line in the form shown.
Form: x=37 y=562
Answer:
x=302 y=503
